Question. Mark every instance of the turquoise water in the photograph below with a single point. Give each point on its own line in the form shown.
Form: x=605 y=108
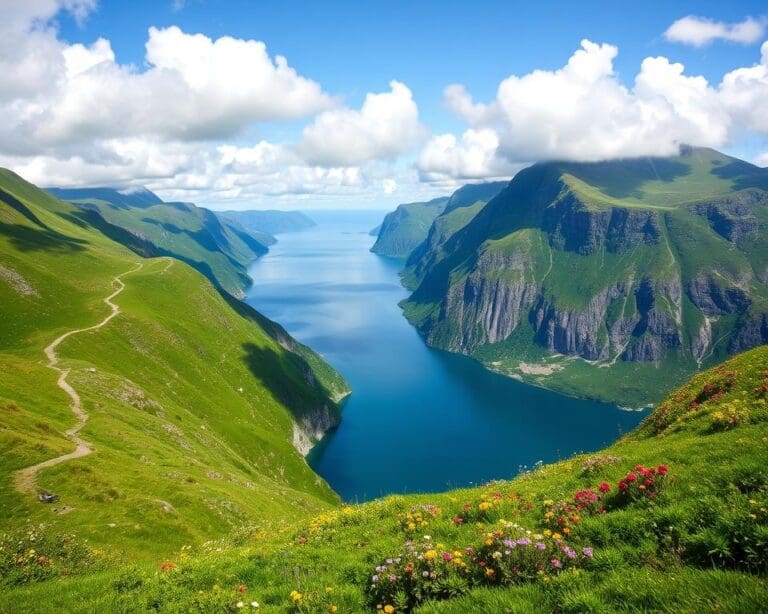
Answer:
x=418 y=419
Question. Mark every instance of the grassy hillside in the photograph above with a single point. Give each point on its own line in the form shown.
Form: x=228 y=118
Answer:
x=612 y=280
x=673 y=517
x=270 y=221
x=220 y=249
x=407 y=226
x=190 y=401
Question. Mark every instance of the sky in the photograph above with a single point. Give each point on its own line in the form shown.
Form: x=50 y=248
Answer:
x=288 y=104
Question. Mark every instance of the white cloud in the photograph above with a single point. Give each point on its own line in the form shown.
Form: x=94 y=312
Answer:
x=474 y=156
x=700 y=31
x=582 y=111
x=386 y=125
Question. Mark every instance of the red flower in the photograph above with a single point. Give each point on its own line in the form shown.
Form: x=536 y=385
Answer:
x=241 y=588
x=662 y=469
x=623 y=485
x=167 y=566
x=631 y=477
x=604 y=487
x=457 y=520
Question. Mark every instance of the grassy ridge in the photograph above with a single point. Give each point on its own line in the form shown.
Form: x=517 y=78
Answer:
x=191 y=395
x=700 y=544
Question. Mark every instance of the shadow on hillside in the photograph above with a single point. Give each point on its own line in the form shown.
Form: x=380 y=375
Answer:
x=743 y=175
x=284 y=375
x=625 y=178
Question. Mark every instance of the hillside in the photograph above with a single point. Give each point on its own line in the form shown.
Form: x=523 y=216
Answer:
x=463 y=205
x=673 y=517
x=270 y=221
x=611 y=280
x=188 y=411
x=407 y=226
x=218 y=248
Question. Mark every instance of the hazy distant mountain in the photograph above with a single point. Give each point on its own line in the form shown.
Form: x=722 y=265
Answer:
x=271 y=221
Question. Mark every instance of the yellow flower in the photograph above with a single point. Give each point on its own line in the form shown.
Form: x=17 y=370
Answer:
x=549 y=515
x=547 y=533
x=411 y=526
x=389 y=609
x=333 y=609
x=430 y=555
x=296 y=596
x=549 y=502
x=488 y=542
x=752 y=502
x=557 y=536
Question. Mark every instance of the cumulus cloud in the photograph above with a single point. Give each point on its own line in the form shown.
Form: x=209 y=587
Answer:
x=582 y=111
x=386 y=125
x=700 y=31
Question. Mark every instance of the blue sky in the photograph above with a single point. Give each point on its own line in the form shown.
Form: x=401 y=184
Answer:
x=124 y=93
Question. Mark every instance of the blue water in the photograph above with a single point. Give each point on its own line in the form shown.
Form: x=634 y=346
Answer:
x=418 y=419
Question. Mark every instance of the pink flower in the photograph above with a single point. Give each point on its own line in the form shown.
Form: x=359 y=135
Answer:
x=604 y=487
x=447 y=556
x=556 y=563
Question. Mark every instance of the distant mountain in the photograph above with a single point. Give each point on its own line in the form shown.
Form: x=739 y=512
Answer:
x=406 y=227
x=219 y=248
x=613 y=280
x=272 y=222
x=374 y=232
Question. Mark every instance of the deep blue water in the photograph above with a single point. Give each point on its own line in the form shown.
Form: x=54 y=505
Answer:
x=418 y=419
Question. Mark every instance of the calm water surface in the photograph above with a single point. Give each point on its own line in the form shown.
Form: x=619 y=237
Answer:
x=418 y=419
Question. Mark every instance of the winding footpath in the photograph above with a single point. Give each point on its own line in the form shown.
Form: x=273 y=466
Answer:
x=24 y=480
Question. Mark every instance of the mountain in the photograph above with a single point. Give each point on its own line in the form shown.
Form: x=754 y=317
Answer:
x=220 y=249
x=613 y=280
x=406 y=227
x=272 y=222
x=672 y=517
x=160 y=410
x=463 y=205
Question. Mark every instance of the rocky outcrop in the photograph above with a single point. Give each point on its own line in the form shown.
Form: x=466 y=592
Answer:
x=573 y=227
x=717 y=296
x=312 y=427
x=732 y=218
x=751 y=331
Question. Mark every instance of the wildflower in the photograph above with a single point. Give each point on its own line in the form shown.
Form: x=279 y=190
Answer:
x=430 y=555
x=447 y=556
x=489 y=572
x=239 y=605
x=167 y=566
x=457 y=520
x=604 y=487
x=569 y=552
x=524 y=541
x=540 y=546
x=556 y=563
x=296 y=596
x=425 y=574
x=333 y=609
x=241 y=588
x=374 y=579
x=557 y=537
x=631 y=477
x=388 y=609
x=587 y=552
x=255 y=605
x=752 y=502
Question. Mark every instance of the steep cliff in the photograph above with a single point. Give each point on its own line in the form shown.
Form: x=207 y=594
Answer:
x=646 y=269
x=407 y=226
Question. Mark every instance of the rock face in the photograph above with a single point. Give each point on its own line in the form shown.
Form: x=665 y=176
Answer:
x=312 y=427
x=618 y=264
x=407 y=226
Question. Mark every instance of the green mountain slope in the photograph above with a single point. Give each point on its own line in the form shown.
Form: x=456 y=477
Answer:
x=270 y=221
x=612 y=280
x=580 y=535
x=407 y=226
x=463 y=205
x=188 y=410
x=220 y=249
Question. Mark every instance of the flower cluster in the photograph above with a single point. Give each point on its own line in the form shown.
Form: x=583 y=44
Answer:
x=565 y=515
x=424 y=570
x=418 y=517
x=37 y=553
x=643 y=483
x=431 y=571
x=729 y=415
x=596 y=464
x=512 y=555
x=714 y=389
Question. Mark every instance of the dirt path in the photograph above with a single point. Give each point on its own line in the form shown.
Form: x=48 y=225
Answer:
x=24 y=479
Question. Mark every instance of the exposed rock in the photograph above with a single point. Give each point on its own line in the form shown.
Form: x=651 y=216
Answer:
x=312 y=427
x=732 y=217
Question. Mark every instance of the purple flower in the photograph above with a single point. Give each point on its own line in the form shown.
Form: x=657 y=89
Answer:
x=556 y=563
x=541 y=546
x=523 y=541
x=587 y=552
x=569 y=552
x=392 y=578
x=509 y=543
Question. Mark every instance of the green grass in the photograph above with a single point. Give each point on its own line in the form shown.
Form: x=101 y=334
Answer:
x=219 y=248
x=406 y=227
x=192 y=396
x=700 y=545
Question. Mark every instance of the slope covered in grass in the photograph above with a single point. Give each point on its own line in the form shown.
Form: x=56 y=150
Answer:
x=407 y=226
x=219 y=248
x=195 y=402
x=673 y=517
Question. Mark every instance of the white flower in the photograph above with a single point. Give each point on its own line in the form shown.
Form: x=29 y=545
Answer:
x=254 y=604
x=240 y=604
